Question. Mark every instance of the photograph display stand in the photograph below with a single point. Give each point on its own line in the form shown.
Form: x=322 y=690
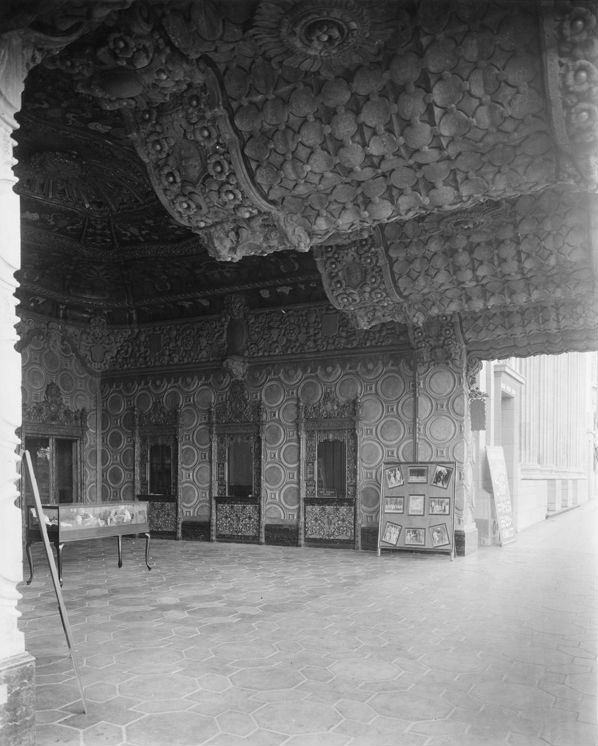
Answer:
x=417 y=507
x=54 y=572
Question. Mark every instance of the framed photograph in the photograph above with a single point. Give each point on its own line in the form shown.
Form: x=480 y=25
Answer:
x=439 y=506
x=439 y=534
x=394 y=504
x=415 y=537
x=394 y=476
x=417 y=474
x=416 y=504
x=442 y=476
x=391 y=534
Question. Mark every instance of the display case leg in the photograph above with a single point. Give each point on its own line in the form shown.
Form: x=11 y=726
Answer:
x=147 y=543
x=119 y=542
x=30 y=560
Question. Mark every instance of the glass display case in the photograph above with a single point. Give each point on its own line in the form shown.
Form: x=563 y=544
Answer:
x=79 y=521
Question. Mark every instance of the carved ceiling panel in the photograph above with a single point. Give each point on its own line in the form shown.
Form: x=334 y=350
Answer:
x=427 y=159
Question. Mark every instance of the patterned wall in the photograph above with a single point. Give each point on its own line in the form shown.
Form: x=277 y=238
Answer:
x=47 y=357
x=351 y=363
x=384 y=386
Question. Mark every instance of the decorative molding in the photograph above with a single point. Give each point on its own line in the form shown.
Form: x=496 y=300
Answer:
x=158 y=415
x=570 y=46
x=439 y=342
x=236 y=407
x=325 y=36
x=53 y=411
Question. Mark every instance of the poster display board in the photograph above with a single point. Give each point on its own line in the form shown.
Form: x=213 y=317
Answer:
x=417 y=507
x=501 y=494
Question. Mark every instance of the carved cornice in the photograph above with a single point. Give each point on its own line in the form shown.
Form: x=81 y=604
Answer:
x=53 y=411
x=158 y=415
x=439 y=342
x=95 y=345
x=237 y=407
x=329 y=407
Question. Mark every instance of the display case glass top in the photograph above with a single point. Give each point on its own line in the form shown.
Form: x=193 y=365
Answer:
x=92 y=520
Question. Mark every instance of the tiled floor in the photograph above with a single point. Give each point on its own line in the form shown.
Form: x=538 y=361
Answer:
x=229 y=644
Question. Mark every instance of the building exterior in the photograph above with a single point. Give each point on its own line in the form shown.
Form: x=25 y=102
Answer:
x=542 y=411
x=252 y=253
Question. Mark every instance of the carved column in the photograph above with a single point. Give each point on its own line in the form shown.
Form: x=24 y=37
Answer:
x=16 y=665
x=443 y=420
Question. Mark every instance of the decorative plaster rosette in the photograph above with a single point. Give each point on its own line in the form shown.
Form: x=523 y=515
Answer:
x=324 y=36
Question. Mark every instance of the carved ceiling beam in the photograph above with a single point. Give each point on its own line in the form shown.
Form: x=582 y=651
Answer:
x=330 y=118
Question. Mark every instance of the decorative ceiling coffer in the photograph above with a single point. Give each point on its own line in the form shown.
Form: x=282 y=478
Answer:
x=326 y=119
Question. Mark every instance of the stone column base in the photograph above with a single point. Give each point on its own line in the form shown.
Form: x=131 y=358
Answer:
x=466 y=541
x=17 y=700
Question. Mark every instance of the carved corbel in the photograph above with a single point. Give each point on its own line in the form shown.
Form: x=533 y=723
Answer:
x=438 y=341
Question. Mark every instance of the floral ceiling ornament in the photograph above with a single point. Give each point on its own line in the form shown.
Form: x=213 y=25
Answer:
x=324 y=36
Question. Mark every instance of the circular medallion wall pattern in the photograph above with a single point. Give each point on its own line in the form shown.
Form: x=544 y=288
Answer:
x=371 y=453
x=424 y=450
x=188 y=383
x=288 y=413
x=290 y=455
x=257 y=377
x=406 y=451
x=36 y=377
x=391 y=386
x=66 y=381
x=115 y=403
x=290 y=496
x=457 y=405
x=51 y=361
x=424 y=406
x=158 y=385
x=128 y=457
x=330 y=373
x=290 y=375
x=442 y=429
x=442 y=382
x=143 y=401
x=274 y=512
x=349 y=387
x=188 y=417
x=203 y=397
x=173 y=399
x=189 y=496
x=371 y=409
x=115 y=439
x=115 y=475
x=80 y=400
x=202 y=475
x=391 y=430
x=370 y=369
x=201 y=436
x=273 y=434
x=273 y=394
x=370 y=498
x=189 y=457
x=273 y=476
x=310 y=391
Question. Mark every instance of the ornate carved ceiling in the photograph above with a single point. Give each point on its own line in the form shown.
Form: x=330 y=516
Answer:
x=427 y=160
